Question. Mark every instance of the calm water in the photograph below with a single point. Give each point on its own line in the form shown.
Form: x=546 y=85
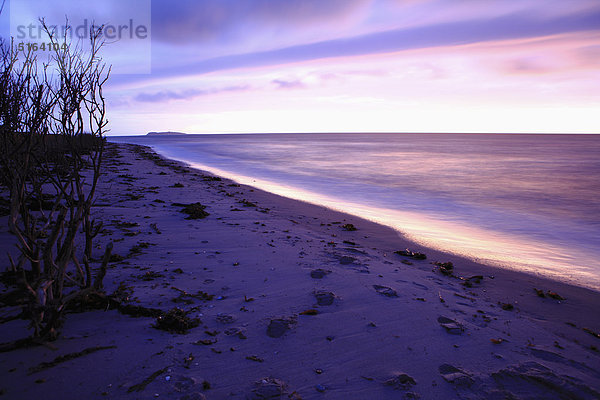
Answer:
x=529 y=202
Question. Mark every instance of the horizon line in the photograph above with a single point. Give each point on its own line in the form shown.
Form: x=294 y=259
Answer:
x=172 y=133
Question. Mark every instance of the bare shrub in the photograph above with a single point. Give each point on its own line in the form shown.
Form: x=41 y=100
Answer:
x=52 y=123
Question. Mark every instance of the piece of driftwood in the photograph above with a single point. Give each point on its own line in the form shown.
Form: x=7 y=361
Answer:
x=67 y=357
x=140 y=386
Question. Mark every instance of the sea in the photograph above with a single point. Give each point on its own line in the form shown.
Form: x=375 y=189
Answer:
x=528 y=202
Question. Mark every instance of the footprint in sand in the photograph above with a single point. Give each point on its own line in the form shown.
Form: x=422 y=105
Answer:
x=319 y=273
x=324 y=298
x=385 y=291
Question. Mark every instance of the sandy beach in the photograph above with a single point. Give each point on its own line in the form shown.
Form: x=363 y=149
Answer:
x=287 y=299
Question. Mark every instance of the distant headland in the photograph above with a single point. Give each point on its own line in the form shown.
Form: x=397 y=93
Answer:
x=164 y=133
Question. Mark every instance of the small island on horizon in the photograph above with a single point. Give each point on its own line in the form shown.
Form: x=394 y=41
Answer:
x=167 y=133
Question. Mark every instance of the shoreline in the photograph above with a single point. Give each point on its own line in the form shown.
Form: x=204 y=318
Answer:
x=508 y=237
x=261 y=246
x=471 y=264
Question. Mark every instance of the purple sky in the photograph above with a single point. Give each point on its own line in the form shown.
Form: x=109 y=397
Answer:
x=365 y=65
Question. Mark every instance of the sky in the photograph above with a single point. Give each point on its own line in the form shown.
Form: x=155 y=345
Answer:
x=222 y=66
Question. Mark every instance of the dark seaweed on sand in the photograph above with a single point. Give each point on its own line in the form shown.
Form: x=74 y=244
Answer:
x=176 y=320
x=193 y=210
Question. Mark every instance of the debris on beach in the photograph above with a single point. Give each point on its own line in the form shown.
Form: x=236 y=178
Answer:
x=324 y=298
x=310 y=311
x=591 y=332
x=254 y=358
x=462 y=296
x=124 y=224
x=349 y=227
x=187 y=361
x=451 y=325
x=554 y=295
x=247 y=203
x=211 y=178
x=240 y=333
x=155 y=228
x=549 y=293
x=441 y=298
x=206 y=342
x=193 y=210
x=411 y=254
x=115 y=258
x=176 y=320
x=468 y=282
x=400 y=381
x=137 y=249
x=446 y=268
x=319 y=273
x=385 y=291
x=507 y=306
x=150 y=275
x=67 y=357
x=139 y=311
x=271 y=388
x=277 y=327
x=142 y=385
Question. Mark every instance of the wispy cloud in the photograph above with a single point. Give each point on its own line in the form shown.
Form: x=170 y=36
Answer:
x=288 y=84
x=589 y=55
x=527 y=65
x=444 y=34
x=193 y=21
x=188 y=94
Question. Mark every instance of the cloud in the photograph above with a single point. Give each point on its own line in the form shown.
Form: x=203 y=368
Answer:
x=193 y=21
x=526 y=65
x=168 y=95
x=283 y=84
x=589 y=55
x=512 y=26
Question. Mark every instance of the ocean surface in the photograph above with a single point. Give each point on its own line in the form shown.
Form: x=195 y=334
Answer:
x=526 y=202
